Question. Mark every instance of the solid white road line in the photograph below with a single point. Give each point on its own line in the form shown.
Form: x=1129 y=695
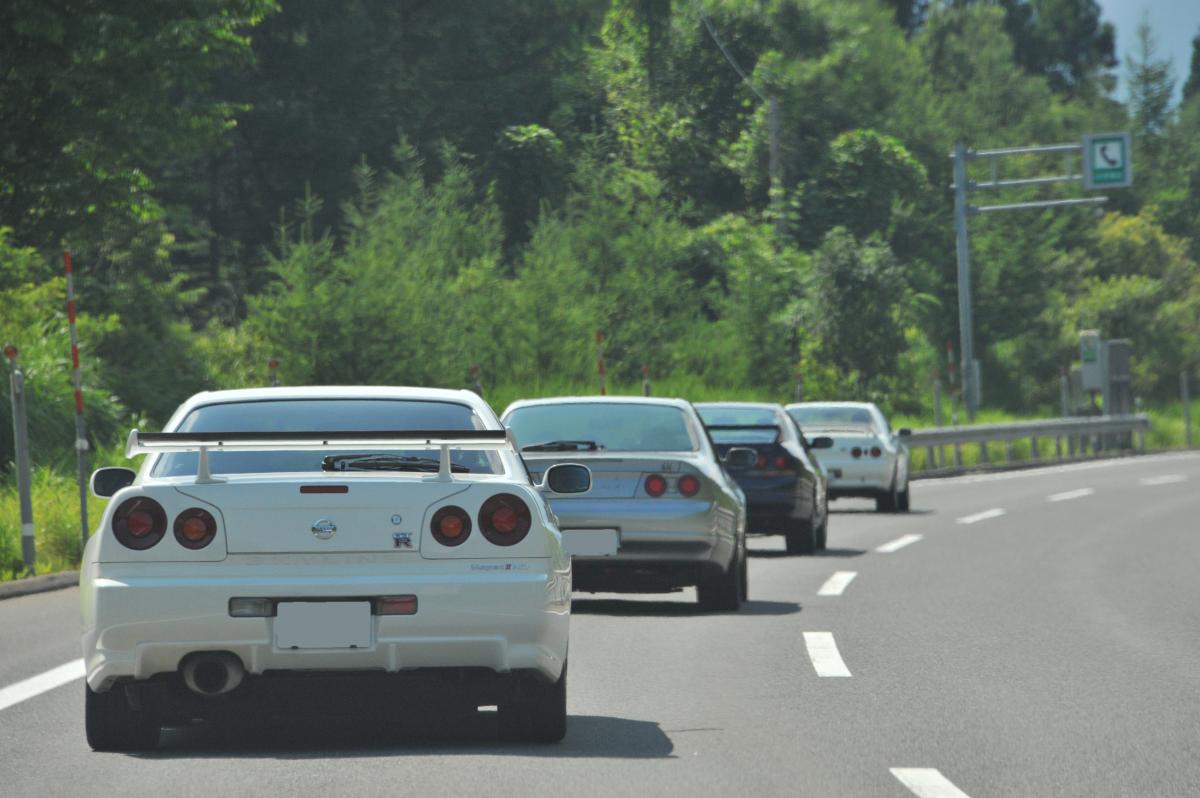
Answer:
x=898 y=543
x=995 y=512
x=1066 y=496
x=36 y=685
x=836 y=584
x=823 y=652
x=927 y=783
x=1165 y=479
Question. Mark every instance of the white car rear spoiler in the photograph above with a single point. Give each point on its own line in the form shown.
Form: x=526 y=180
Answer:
x=202 y=442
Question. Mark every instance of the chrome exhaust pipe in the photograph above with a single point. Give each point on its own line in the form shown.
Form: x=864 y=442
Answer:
x=213 y=673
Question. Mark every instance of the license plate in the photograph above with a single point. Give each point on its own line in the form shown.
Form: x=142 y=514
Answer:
x=591 y=542
x=323 y=624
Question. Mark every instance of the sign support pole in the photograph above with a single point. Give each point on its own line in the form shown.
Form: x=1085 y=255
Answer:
x=81 y=442
x=965 y=328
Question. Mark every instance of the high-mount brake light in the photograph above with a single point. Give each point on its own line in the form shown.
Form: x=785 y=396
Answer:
x=688 y=485
x=856 y=452
x=450 y=525
x=139 y=523
x=195 y=528
x=655 y=485
x=504 y=519
x=876 y=451
x=396 y=605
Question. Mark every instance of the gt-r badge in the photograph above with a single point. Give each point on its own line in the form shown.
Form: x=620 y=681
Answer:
x=323 y=529
x=402 y=540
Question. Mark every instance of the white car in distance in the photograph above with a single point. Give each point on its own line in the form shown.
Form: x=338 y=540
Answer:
x=387 y=537
x=867 y=458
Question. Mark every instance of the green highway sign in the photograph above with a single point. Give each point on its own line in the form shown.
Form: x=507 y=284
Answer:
x=1107 y=161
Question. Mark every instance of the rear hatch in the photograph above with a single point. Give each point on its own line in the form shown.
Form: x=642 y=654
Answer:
x=845 y=441
x=263 y=515
x=613 y=476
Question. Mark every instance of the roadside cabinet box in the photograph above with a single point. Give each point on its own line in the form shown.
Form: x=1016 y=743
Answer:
x=1091 y=370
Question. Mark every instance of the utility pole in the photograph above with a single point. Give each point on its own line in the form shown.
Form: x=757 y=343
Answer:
x=81 y=442
x=21 y=444
x=775 y=168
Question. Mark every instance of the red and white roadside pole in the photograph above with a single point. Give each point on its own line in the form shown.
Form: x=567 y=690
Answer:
x=81 y=444
x=600 y=360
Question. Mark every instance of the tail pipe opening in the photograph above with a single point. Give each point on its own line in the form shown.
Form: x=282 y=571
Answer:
x=212 y=673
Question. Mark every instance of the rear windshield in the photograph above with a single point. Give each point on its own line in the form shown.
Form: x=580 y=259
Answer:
x=317 y=415
x=831 y=416
x=749 y=417
x=611 y=426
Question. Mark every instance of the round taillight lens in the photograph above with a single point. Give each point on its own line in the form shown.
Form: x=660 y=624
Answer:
x=139 y=523
x=761 y=462
x=504 y=519
x=781 y=461
x=450 y=526
x=195 y=528
x=655 y=485
x=876 y=451
x=856 y=452
x=689 y=485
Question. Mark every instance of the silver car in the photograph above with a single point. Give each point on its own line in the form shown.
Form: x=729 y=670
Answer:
x=662 y=513
x=867 y=458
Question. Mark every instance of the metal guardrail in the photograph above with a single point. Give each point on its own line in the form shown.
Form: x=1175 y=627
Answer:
x=1081 y=436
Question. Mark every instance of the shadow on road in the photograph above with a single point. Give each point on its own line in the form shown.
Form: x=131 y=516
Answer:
x=871 y=511
x=426 y=734
x=769 y=554
x=675 y=608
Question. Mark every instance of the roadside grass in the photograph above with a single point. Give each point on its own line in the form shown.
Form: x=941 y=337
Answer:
x=56 y=500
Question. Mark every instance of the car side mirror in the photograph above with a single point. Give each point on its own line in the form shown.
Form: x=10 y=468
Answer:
x=107 y=481
x=904 y=432
x=740 y=457
x=567 y=478
x=821 y=442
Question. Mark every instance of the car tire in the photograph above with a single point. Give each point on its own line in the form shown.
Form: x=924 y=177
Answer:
x=723 y=594
x=112 y=724
x=823 y=531
x=537 y=711
x=745 y=578
x=886 y=501
x=801 y=537
x=902 y=499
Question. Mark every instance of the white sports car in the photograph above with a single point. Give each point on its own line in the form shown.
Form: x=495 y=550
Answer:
x=386 y=541
x=867 y=458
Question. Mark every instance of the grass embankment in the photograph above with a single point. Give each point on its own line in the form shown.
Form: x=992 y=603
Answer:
x=56 y=500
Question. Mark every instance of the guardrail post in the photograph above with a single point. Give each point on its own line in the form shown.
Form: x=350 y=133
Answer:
x=1034 y=454
x=1057 y=447
x=1008 y=451
x=1185 y=394
x=958 y=461
x=983 y=452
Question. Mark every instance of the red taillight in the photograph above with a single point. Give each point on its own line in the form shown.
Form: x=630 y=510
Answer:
x=450 y=525
x=688 y=485
x=761 y=462
x=139 y=523
x=195 y=528
x=876 y=451
x=856 y=452
x=781 y=461
x=504 y=519
x=655 y=485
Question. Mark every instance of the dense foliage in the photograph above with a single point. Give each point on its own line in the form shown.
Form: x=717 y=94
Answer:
x=397 y=192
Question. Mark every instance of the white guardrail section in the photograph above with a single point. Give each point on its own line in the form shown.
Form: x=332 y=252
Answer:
x=1073 y=437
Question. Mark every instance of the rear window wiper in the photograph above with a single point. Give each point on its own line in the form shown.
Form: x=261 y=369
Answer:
x=562 y=446
x=384 y=462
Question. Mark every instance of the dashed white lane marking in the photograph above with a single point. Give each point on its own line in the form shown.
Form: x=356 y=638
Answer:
x=836 y=584
x=898 y=543
x=1067 y=495
x=36 y=685
x=823 y=652
x=1165 y=479
x=927 y=783
x=995 y=512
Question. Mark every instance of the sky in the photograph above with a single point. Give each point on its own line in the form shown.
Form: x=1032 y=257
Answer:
x=1175 y=23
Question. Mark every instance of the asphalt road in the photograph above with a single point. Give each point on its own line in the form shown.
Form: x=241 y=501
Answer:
x=1027 y=634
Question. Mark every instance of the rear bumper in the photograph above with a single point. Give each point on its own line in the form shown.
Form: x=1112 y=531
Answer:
x=142 y=620
x=859 y=477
